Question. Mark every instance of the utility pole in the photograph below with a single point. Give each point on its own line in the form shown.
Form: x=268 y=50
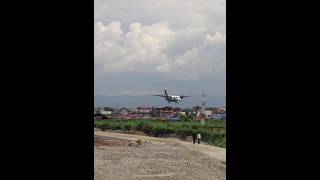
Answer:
x=203 y=108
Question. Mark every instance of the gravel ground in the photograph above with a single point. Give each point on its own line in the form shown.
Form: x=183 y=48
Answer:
x=125 y=160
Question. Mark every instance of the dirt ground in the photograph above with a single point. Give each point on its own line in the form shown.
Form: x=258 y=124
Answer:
x=117 y=159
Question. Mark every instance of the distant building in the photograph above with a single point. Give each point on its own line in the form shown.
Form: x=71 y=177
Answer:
x=169 y=112
x=133 y=115
x=173 y=118
x=221 y=110
x=103 y=112
x=124 y=111
x=155 y=112
x=144 y=112
x=219 y=113
x=200 y=116
x=220 y=116
x=144 y=109
x=208 y=114
x=159 y=113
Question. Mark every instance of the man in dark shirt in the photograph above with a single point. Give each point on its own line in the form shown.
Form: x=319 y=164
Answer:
x=194 y=138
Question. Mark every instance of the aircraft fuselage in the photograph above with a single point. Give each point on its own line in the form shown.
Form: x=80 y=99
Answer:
x=175 y=99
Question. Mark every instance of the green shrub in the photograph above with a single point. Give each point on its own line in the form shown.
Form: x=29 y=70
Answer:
x=194 y=127
x=160 y=130
x=128 y=127
x=115 y=126
x=164 y=128
x=139 y=142
x=148 y=128
x=105 y=127
x=140 y=125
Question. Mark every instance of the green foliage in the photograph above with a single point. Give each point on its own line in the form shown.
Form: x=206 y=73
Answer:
x=148 y=128
x=127 y=127
x=187 y=110
x=187 y=118
x=209 y=134
x=195 y=127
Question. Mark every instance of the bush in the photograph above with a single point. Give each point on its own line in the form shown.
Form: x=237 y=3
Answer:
x=185 y=126
x=115 y=126
x=159 y=131
x=165 y=128
x=194 y=127
x=148 y=128
x=140 y=126
x=184 y=132
x=139 y=142
x=105 y=127
x=128 y=127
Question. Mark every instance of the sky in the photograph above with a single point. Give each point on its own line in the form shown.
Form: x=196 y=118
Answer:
x=144 y=46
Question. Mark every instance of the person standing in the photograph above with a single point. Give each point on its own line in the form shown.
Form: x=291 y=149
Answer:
x=194 y=137
x=199 y=137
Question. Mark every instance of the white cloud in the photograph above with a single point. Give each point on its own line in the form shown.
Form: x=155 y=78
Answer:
x=178 y=13
x=180 y=54
x=144 y=46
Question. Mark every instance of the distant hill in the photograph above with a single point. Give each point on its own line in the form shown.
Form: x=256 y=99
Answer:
x=135 y=101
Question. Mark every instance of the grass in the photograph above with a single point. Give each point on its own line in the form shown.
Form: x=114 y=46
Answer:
x=157 y=128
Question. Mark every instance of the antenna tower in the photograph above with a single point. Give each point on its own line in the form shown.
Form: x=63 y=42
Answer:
x=203 y=101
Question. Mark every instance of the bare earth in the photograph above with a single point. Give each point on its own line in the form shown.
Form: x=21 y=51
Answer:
x=119 y=157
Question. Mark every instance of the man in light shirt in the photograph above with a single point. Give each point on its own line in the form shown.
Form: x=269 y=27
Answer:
x=199 y=137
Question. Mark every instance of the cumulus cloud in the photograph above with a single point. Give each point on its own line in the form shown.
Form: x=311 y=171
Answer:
x=178 y=13
x=144 y=46
x=180 y=54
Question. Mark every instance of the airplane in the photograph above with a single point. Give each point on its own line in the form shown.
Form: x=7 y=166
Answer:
x=171 y=98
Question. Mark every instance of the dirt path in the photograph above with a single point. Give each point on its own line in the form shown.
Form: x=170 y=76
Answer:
x=158 y=159
x=212 y=151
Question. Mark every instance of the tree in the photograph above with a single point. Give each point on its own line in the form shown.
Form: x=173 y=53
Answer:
x=196 y=108
x=190 y=117
x=187 y=111
x=185 y=118
x=108 y=109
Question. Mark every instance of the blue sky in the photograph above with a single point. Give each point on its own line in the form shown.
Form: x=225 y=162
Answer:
x=145 y=46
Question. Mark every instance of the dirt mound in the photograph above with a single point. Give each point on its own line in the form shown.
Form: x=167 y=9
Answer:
x=170 y=161
x=106 y=141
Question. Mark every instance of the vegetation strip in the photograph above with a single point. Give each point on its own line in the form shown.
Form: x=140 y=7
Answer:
x=213 y=132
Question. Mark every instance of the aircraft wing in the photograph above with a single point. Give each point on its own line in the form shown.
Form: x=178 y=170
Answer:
x=160 y=95
x=184 y=96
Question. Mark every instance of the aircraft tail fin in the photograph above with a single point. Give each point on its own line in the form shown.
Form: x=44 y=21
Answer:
x=165 y=92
